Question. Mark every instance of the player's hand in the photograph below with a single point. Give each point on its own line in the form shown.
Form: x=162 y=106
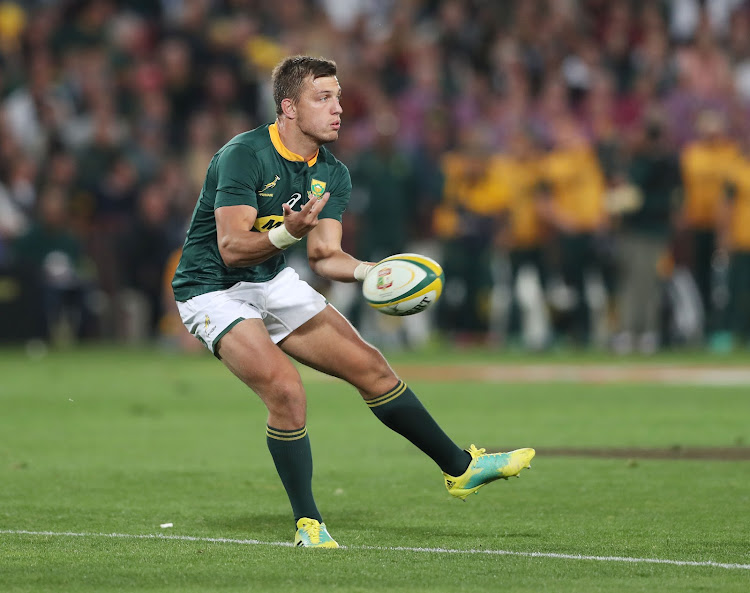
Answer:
x=300 y=223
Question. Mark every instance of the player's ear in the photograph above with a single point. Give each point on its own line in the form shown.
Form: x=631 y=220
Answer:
x=288 y=108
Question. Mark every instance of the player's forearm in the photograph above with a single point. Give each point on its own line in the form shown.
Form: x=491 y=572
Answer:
x=240 y=250
x=333 y=265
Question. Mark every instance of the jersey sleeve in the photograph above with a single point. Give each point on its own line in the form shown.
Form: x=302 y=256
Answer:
x=237 y=174
x=341 y=191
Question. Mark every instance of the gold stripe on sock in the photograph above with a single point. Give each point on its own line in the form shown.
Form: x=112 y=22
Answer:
x=387 y=397
x=287 y=435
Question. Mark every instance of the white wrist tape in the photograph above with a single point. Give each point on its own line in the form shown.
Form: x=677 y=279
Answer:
x=282 y=238
x=361 y=271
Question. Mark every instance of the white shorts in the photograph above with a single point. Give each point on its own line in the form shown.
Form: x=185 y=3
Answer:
x=283 y=303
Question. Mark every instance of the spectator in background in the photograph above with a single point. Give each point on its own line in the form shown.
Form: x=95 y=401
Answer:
x=61 y=170
x=467 y=221
x=101 y=145
x=181 y=85
x=734 y=240
x=384 y=196
x=145 y=249
x=202 y=145
x=600 y=112
x=114 y=204
x=577 y=214
x=524 y=236
x=158 y=82
x=655 y=63
x=33 y=110
x=180 y=191
x=58 y=263
x=13 y=222
x=705 y=165
x=739 y=52
x=646 y=208
x=386 y=182
x=687 y=16
x=430 y=181
x=423 y=95
x=17 y=195
x=702 y=66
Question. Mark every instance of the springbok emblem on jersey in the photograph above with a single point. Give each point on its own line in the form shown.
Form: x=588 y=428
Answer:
x=270 y=185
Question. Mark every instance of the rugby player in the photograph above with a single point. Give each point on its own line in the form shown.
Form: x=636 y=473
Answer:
x=264 y=191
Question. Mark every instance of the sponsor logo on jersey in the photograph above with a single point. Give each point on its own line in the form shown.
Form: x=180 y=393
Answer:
x=266 y=223
x=317 y=188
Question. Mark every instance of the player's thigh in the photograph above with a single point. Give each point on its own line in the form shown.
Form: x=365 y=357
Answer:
x=248 y=351
x=330 y=344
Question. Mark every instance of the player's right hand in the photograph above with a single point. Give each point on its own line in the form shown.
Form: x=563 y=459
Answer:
x=301 y=222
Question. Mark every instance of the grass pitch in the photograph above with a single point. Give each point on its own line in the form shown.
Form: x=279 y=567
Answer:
x=98 y=449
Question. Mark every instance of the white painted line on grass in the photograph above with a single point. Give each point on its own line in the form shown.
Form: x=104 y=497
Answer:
x=255 y=542
x=184 y=538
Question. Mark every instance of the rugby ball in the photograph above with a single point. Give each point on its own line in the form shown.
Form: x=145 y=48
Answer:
x=403 y=284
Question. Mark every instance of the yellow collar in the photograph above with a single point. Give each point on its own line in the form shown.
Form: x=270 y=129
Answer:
x=273 y=130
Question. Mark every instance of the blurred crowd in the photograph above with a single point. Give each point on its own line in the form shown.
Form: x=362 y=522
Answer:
x=581 y=168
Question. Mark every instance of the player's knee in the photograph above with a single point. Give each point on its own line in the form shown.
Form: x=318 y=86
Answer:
x=286 y=398
x=287 y=393
x=382 y=371
x=374 y=375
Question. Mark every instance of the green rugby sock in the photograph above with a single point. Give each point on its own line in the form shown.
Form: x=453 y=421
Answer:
x=401 y=411
x=292 y=456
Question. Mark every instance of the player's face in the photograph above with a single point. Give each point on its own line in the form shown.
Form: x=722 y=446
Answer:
x=319 y=109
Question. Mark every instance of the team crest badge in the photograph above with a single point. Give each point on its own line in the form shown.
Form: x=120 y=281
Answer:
x=317 y=188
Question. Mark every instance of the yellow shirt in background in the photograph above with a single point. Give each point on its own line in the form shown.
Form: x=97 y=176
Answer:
x=521 y=179
x=739 y=225
x=577 y=185
x=705 y=171
x=469 y=186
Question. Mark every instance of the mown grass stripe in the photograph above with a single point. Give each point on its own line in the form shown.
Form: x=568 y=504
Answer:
x=255 y=542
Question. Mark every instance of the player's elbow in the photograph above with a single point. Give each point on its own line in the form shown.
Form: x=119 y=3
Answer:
x=318 y=254
x=228 y=255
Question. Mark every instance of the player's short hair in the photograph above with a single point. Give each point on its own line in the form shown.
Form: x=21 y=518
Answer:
x=289 y=76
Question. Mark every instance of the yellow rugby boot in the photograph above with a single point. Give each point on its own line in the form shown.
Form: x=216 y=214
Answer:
x=313 y=534
x=487 y=467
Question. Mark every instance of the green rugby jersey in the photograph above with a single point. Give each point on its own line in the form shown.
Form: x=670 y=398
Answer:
x=255 y=169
